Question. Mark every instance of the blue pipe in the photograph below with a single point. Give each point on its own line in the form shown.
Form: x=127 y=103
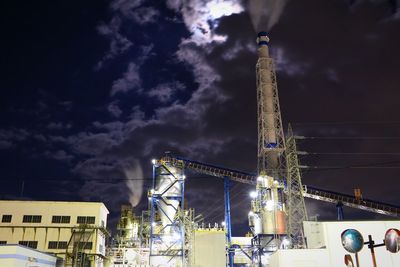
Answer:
x=340 y=214
x=228 y=219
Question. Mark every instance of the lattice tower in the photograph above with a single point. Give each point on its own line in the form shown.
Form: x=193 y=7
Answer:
x=296 y=207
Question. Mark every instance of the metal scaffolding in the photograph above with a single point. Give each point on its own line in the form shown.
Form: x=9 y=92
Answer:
x=79 y=250
x=167 y=227
x=271 y=140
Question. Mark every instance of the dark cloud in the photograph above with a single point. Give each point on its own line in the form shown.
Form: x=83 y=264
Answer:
x=180 y=77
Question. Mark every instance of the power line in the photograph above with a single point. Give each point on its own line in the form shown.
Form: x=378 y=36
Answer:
x=219 y=208
x=350 y=153
x=377 y=165
x=350 y=167
x=349 y=137
x=345 y=122
x=105 y=180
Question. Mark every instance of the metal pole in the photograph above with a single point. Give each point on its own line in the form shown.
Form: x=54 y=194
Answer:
x=357 y=260
x=152 y=215
x=371 y=247
x=183 y=218
x=228 y=219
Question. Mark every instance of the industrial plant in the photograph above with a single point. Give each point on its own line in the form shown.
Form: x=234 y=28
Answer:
x=170 y=234
x=281 y=235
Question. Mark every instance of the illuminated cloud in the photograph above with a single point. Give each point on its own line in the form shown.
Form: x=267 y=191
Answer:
x=201 y=17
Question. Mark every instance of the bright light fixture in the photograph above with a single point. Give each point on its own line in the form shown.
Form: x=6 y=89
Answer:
x=153 y=161
x=270 y=205
x=253 y=194
x=286 y=242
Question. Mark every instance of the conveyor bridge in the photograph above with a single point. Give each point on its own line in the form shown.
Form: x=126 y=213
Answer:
x=309 y=192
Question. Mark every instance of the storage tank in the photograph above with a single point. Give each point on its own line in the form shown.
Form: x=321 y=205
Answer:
x=169 y=188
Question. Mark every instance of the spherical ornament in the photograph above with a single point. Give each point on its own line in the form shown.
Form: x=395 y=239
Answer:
x=352 y=240
x=392 y=240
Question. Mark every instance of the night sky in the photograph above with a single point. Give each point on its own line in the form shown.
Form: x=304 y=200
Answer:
x=92 y=90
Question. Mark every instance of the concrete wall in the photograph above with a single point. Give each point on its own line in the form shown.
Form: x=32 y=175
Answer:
x=209 y=249
x=300 y=258
x=19 y=256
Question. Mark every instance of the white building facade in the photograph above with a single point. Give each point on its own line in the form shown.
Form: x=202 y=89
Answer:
x=20 y=256
x=325 y=246
x=73 y=231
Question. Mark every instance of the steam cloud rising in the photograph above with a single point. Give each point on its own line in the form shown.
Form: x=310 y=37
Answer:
x=134 y=176
x=265 y=13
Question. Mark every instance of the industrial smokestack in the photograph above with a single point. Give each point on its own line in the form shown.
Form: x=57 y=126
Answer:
x=269 y=121
x=268 y=208
x=263 y=42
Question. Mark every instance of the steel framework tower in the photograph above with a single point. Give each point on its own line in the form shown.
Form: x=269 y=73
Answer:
x=167 y=227
x=271 y=141
x=296 y=207
x=268 y=218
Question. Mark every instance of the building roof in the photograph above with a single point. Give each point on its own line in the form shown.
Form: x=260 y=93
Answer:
x=55 y=202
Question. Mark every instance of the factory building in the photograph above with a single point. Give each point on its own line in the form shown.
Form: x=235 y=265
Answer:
x=75 y=232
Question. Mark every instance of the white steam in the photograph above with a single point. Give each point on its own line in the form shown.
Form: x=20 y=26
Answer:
x=265 y=13
x=134 y=182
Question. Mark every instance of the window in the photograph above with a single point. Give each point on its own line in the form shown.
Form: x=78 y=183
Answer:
x=86 y=219
x=65 y=219
x=81 y=219
x=61 y=219
x=58 y=244
x=32 y=219
x=90 y=220
x=53 y=244
x=3 y=242
x=62 y=244
x=6 y=218
x=29 y=244
x=84 y=245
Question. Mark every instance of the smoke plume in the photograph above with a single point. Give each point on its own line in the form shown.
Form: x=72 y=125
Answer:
x=134 y=182
x=265 y=13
